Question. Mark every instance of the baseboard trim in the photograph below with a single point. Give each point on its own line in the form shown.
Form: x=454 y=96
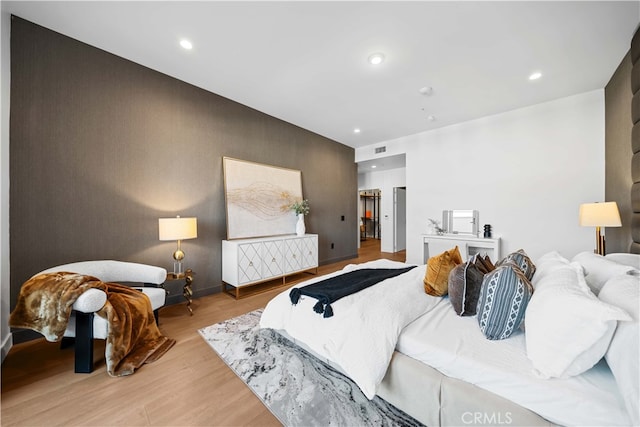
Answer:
x=6 y=346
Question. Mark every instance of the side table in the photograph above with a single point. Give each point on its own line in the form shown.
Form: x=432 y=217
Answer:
x=187 y=292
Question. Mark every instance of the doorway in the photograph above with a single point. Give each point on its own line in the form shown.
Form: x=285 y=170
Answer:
x=370 y=214
x=383 y=220
x=399 y=219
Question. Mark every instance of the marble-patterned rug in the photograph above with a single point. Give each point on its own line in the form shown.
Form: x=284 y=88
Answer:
x=298 y=389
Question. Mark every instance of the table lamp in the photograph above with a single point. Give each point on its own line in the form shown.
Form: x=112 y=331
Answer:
x=598 y=215
x=177 y=229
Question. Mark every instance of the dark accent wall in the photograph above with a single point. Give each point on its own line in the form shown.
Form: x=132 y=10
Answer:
x=102 y=147
x=635 y=143
x=618 y=154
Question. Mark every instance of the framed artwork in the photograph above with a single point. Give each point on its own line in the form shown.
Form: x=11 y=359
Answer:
x=258 y=197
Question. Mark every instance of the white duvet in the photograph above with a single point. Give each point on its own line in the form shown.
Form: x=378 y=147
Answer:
x=361 y=336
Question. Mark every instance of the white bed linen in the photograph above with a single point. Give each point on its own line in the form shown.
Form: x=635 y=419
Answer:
x=361 y=336
x=455 y=346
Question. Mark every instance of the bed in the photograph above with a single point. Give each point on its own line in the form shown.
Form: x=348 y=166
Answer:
x=414 y=351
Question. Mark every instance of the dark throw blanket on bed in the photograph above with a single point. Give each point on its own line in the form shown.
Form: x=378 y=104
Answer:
x=332 y=289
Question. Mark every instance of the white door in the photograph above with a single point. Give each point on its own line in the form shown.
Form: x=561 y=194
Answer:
x=399 y=219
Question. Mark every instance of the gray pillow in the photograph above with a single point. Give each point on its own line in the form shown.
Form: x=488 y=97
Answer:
x=503 y=300
x=465 y=281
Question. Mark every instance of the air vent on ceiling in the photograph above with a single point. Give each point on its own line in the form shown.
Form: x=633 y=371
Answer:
x=380 y=149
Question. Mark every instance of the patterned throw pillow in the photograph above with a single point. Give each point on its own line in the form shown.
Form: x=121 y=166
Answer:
x=503 y=300
x=438 y=269
x=521 y=260
x=465 y=281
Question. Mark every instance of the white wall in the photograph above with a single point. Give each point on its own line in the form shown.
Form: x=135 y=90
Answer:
x=526 y=171
x=385 y=181
x=5 y=334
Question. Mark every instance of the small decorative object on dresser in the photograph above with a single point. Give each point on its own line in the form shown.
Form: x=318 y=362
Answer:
x=301 y=229
x=487 y=231
x=461 y=221
x=301 y=208
x=435 y=226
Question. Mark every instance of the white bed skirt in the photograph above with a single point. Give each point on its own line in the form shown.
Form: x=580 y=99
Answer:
x=437 y=400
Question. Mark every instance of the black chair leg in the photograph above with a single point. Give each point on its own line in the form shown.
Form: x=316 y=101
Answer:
x=67 y=342
x=84 y=343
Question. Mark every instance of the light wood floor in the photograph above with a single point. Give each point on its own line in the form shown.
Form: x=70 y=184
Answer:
x=190 y=385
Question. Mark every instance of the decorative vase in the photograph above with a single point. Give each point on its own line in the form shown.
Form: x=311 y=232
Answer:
x=300 y=228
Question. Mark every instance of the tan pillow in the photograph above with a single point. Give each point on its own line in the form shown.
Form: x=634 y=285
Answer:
x=436 y=280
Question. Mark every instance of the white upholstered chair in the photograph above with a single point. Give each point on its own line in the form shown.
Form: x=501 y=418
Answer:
x=83 y=325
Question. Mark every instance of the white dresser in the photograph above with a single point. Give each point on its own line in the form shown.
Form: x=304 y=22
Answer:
x=248 y=262
x=468 y=244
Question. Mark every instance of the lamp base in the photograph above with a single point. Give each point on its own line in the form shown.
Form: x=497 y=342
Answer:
x=599 y=243
x=178 y=268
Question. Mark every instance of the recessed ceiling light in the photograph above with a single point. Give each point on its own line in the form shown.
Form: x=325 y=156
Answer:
x=186 y=44
x=427 y=90
x=356 y=130
x=373 y=166
x=431 y=118
x=376 y=58
x=535 y=76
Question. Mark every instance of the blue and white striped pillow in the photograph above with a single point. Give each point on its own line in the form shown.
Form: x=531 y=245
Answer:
x=504 y=297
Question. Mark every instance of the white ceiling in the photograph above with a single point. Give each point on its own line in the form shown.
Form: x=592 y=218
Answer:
x=306 y=62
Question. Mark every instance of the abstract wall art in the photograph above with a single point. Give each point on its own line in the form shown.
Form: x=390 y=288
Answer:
x=258 y=198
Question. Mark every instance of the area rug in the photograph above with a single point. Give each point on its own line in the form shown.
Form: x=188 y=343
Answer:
x=298 y=389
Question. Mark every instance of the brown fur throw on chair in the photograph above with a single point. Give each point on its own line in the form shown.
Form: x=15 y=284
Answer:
x=45 y=303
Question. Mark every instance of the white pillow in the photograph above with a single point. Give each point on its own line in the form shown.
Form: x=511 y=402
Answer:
x=546 y=265
x=567 y=328
x=599 y=269
x=623 y=355
x=632 y=260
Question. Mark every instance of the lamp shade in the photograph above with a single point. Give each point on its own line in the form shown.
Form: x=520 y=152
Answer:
x=603 y=214
x=177 y=228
